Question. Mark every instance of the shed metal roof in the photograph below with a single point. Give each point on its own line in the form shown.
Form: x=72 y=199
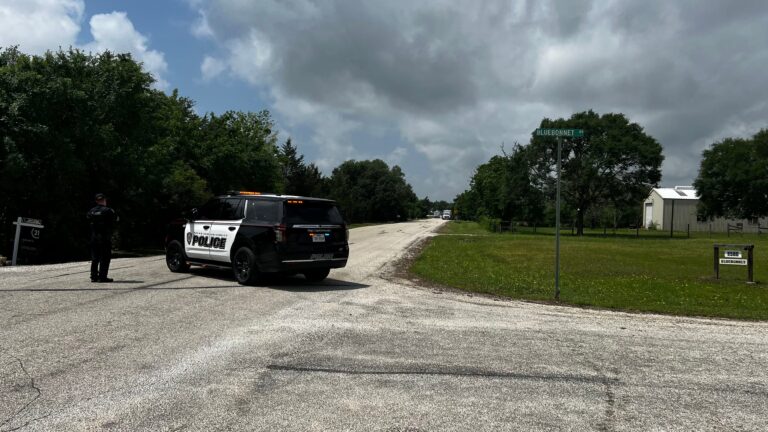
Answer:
x=678 y=193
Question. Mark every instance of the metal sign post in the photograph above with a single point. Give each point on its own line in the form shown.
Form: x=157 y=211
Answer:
x=557 y=221
x=559 y=134
x=23 y=222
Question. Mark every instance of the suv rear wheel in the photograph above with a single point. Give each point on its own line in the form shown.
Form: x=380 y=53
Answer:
x=175 y=258
x=316 y=275
x=244 y=266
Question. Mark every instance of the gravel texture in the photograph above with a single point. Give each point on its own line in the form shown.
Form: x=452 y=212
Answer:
x=364 y=350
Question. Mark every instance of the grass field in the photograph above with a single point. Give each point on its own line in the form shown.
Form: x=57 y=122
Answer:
x=652 y=273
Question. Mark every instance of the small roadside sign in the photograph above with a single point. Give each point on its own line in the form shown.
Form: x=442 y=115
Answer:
x=32 y=228
x=733 y=255
x=568 y=133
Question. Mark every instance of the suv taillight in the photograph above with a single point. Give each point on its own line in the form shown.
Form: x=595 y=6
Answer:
x=280 y=236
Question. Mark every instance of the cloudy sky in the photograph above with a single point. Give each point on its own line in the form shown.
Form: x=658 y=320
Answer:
x=436 y=86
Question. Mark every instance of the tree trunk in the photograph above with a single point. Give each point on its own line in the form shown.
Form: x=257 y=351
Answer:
x=580 y=222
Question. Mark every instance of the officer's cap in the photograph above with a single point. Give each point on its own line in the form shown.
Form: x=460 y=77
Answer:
x=100 y=196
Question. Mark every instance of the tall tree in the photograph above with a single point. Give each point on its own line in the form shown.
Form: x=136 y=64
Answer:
x=299 y=178
x=503 y=188
x=615 y=162
x=238 y=151
x=370 y=191
x=733 y=180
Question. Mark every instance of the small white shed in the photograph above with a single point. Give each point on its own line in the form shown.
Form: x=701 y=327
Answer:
x=675 y=208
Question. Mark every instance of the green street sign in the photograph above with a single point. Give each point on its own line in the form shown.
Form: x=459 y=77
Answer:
x=570 y=133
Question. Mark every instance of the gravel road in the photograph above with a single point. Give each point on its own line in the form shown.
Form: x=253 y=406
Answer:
x=363 y=350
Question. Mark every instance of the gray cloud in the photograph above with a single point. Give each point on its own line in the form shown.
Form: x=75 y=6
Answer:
x=454 y=79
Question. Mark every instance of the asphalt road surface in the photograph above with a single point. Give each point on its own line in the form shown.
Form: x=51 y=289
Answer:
x=362 y=350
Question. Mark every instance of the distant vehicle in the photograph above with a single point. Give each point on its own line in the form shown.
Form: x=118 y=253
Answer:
x=446 y=214
x=259 y=234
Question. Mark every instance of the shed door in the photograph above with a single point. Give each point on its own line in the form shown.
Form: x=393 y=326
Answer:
x=648 y=215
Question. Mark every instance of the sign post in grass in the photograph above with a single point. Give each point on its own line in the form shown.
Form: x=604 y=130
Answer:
x=559 y=133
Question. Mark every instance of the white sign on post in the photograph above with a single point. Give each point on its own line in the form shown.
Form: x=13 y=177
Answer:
x=733 y=261
x=36 y=224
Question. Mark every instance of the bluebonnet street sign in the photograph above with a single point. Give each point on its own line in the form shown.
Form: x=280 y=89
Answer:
x=570 y=133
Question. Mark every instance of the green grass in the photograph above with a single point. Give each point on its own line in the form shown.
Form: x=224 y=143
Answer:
x=463 y=227
x=652 y=273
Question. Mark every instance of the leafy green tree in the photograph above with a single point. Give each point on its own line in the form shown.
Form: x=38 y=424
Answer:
x=732 y=180
x=370 y=191
x=615 y=162
x=299 y=178
x=502 y=188
x=424 y=207
x=466 y=205
x=238 y=151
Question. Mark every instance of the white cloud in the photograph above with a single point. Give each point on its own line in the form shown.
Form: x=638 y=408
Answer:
x=211 y=68
x=115 y=32
x=397 y=156
x=251 y=58
x=40 y=25
x=201 y=28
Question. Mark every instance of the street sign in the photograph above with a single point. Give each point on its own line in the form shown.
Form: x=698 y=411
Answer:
x=733 y=261
x=568 y=133
x=30 y=221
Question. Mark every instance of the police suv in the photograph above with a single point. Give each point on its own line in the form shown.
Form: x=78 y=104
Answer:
x=258 y=234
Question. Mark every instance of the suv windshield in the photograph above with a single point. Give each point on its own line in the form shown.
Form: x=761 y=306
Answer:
x=313 y=213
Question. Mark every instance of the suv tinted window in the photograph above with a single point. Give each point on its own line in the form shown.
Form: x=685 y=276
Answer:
x=312 y=213
x=231 y=209
x=210 y=210
x=221 y=209
x=262 y=211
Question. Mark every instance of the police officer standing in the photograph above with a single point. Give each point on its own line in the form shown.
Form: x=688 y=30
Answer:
x=102 y=219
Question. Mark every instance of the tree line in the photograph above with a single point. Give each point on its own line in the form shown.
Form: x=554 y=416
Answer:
x=74 y=123
x=606 y=175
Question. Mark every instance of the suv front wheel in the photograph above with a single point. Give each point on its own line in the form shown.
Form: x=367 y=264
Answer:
x=244 y=266
x=175 y=258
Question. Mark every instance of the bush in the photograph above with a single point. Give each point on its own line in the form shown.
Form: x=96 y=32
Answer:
x=490 y=224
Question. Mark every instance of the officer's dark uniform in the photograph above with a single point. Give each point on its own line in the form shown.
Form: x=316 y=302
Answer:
x=101 y=218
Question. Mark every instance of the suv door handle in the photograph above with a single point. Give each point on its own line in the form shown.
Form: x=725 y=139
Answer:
x=206 y=226
x=232 y=228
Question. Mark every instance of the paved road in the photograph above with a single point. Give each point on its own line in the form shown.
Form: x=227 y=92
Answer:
x=361 y=351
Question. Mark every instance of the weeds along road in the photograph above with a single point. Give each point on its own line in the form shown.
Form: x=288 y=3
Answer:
x=361 y=351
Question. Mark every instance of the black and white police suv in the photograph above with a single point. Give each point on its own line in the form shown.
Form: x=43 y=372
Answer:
x=258 y=234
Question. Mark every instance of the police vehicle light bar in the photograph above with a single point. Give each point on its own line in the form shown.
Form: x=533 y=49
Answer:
x=243 y=193
x=295 y=202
